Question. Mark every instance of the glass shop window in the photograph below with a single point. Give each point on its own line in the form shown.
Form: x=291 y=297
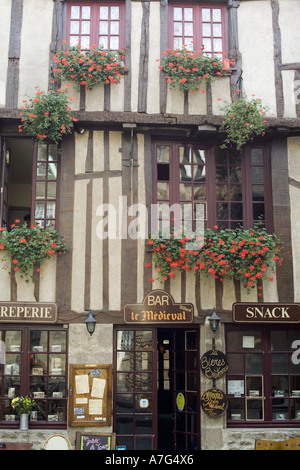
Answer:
x=33 y=362
x=263 y=380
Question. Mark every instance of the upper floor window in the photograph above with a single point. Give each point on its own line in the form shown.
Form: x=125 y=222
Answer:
x=212 y=186
x=198 y=26
x=30 y=175
x=98 y=23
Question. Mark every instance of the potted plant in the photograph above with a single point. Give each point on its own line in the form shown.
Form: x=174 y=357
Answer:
x=240 y=254
x=89 y=68
x=188 y=69
x=30 y=246
x=47 y=115
x=242 y=120
x=23 y=407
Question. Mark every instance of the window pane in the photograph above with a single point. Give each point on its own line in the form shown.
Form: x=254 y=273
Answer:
x=125 y=339
x=114 y=43
x=74 y=28
x=206 y=29
x=58 y=341
x=199 y=193
x=125 y=360
x=114 y=13
x=205 y=14
x=85 y=27
x=278 y=341
x=86 y=12
x=75 y=12
x=13 y=341
x=254 y=410
x=104 y=13
x=162 y=190
x=279 y=363
x=103 y=27
x=253 y=363
x=114 y=27
x=143 y=340
x=216 y=14
x=124 y=403
x=185 y=192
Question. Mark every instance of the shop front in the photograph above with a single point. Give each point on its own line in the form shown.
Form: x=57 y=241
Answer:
x=157 y=376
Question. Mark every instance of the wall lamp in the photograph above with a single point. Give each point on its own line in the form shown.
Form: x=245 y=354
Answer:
x=214 y=321
x=90 y=322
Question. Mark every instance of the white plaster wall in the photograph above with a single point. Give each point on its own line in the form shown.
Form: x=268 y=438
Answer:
x=35 y=40
x=154 y=54
x=256 y=46
x=289 y=22
x=4 y=41
x=136 y=21
x=294 y=172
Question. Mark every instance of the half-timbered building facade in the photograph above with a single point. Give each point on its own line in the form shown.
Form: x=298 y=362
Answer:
x=135 y=145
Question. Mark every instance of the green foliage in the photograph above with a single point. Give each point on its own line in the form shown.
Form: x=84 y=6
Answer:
x=243 y=119
x=47 y=116
x=187 y=69
x=22 y=405
x=238 y=254
x=29 y=247
x=95 y=66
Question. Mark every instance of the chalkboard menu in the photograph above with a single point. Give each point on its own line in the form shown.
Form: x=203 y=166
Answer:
x=90 y=395
x=95 y=441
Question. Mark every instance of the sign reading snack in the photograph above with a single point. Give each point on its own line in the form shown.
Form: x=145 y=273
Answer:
x=27 y=312
x=266 y=313
x=159 y=307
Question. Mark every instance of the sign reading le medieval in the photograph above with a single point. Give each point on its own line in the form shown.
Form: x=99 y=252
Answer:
x=26 y=312
x=159 y=307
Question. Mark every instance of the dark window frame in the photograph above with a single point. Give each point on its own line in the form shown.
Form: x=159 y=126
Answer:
x=46 y=181
x=95 y=19
x=269 y=376
x=26 y=375
x=197 y=20
x=172 y=176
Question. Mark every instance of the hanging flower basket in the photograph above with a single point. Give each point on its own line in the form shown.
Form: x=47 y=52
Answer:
x=238 y=254
x=29 y=247
x=188 y=70
x=89 y=68
x=242 y=120
x=47 y=115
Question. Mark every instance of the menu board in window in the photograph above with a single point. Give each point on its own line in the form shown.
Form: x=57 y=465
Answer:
x=90 y=395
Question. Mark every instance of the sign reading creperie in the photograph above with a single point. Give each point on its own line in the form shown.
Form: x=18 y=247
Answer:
x=26 y=312
x=266 y=313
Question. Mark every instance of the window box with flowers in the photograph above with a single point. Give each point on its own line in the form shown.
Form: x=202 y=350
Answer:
x=242 y=120
x=47 y=116
x=188 y=69
x=237 y=254
x=29 y=247
x=89 y=68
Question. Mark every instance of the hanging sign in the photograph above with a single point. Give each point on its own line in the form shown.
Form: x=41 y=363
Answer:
x=266 y=313
x=213 y=364
x=214 y=402
x=159 y=307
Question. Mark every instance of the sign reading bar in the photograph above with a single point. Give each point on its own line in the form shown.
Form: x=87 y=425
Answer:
x=27 y=312
x=158 y=307
x=266 y=313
